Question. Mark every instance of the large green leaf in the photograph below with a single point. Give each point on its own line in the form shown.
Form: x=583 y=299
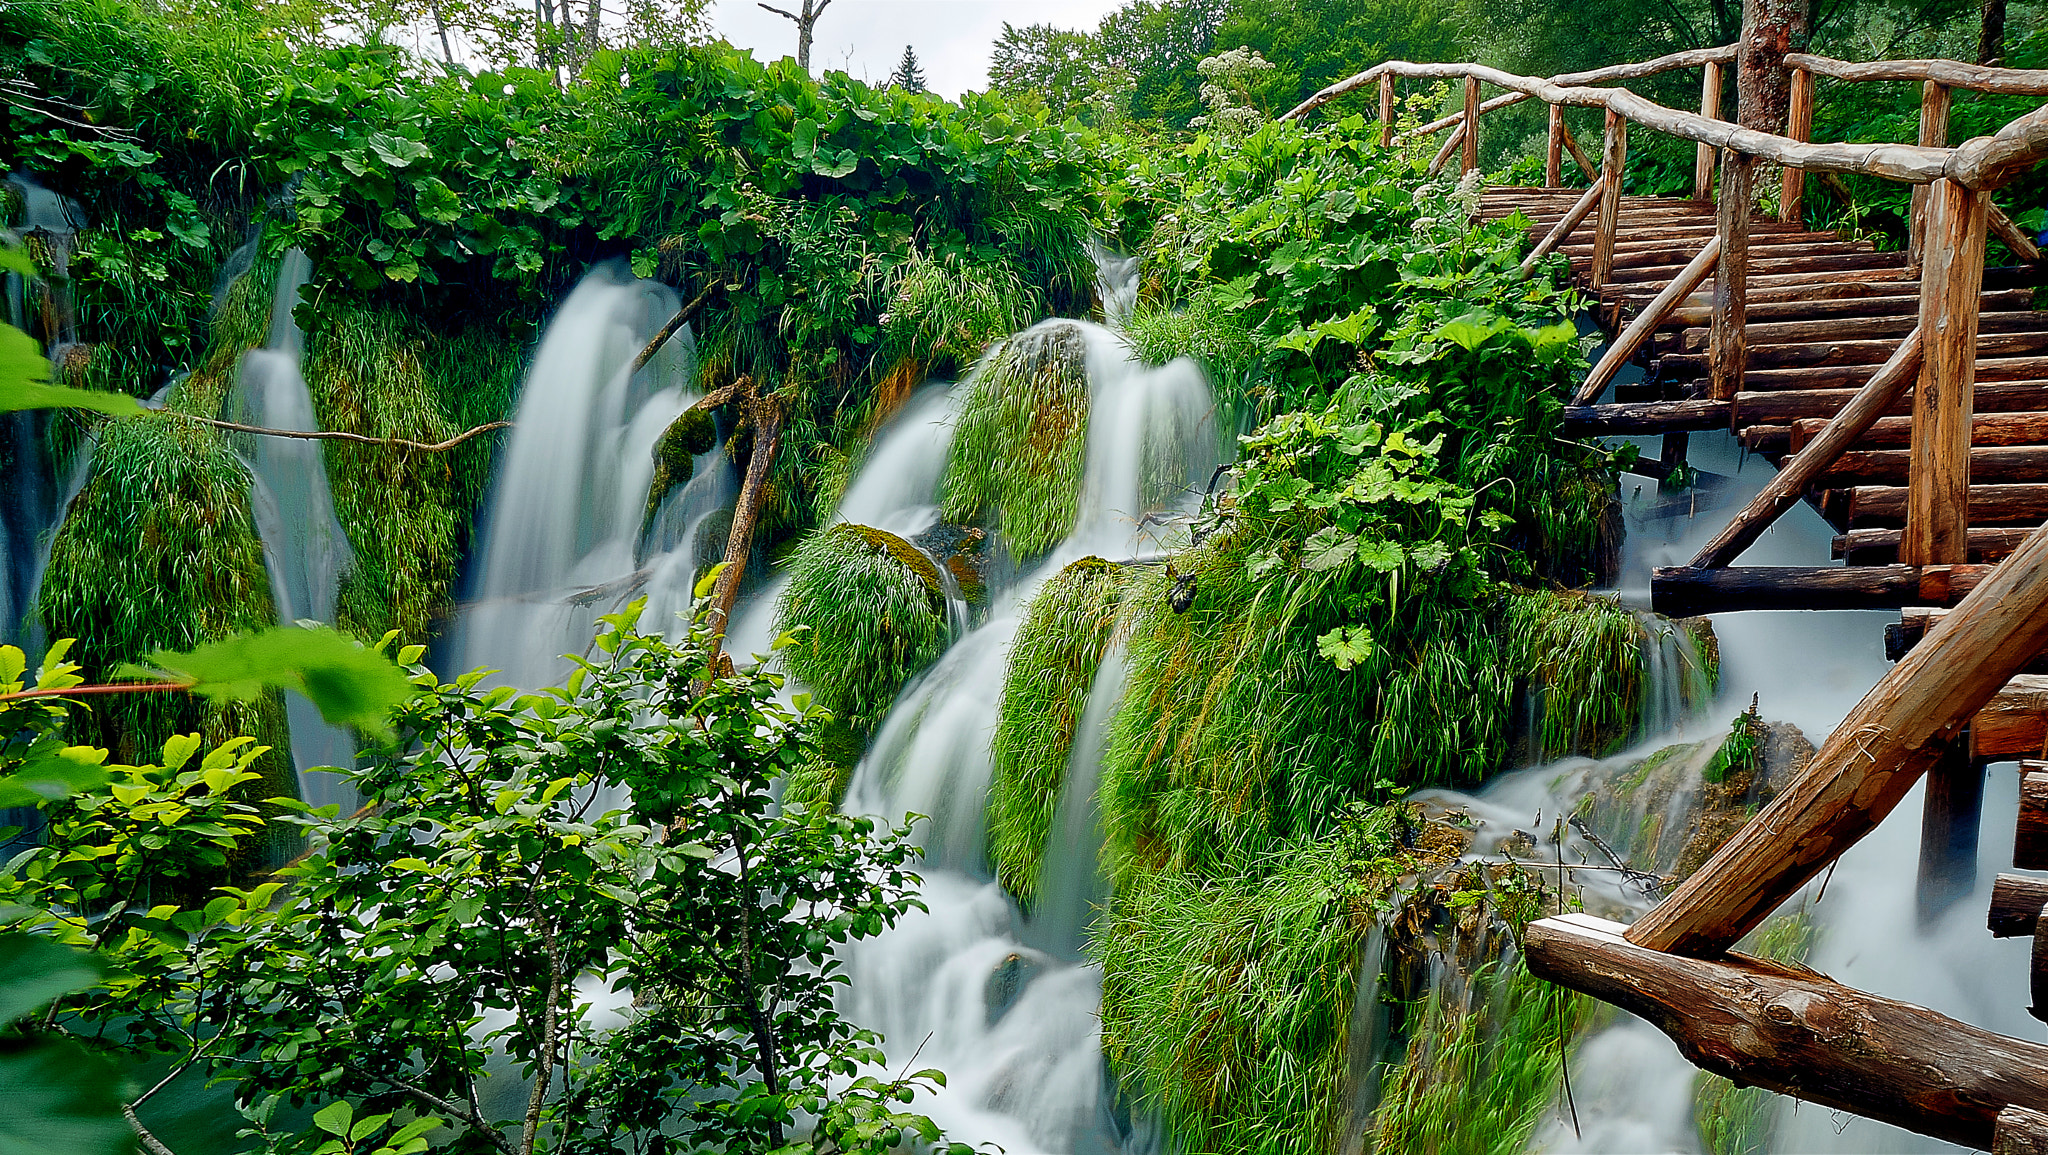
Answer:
x=57 y=1098
x=350 y=683
x=24 y=377
x=34 y=971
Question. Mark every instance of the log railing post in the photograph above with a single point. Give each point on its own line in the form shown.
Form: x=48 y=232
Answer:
x=1613 y=159
x=1798 y=126
x=1867 y=765
x=1727 y=346
x=1469 y=161
x=1934 y=106
x=1386 y=110
x=1951 y=289
x=1710 y=107
x=1553 y=156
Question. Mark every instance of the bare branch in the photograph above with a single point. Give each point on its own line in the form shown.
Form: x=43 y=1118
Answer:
x=329 y=435
x=791 y=16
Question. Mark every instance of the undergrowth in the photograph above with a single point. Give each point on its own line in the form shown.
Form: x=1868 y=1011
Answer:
x=1018 y=456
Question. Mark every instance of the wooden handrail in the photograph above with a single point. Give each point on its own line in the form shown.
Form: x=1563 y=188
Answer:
x=1953 y=73
x=1980 y=164
x=1691 y=58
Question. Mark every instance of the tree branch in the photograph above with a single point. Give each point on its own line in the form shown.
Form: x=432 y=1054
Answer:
x=675 y=323
x=785 y=15
x=330 y=435
x=76 y=691
x=150 y=1142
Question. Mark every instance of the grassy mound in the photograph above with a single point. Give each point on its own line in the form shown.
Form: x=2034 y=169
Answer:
x=876 y=614
x=1018 y=458
x=1045 y=691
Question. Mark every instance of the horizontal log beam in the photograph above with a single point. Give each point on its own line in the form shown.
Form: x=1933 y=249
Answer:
x=1865 y=547
x=1888 y=299
x=1644 y=417
x=2014 y=723
x=1870 y=506
x=2030 y=428
x=2016 y=902
x=1779 y=406
x=1690 y=591
x=1869 y=323
x=1953 y=73
x=1989 y=464
x=1802 y=1034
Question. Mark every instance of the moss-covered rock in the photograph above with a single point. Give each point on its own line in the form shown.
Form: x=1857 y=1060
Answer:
x=1045 y=691
x=875 y=612
x=1018 y=458
x=693 y=432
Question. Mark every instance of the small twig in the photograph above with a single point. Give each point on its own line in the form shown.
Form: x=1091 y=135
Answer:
x=154 y=1145
x=328 y=435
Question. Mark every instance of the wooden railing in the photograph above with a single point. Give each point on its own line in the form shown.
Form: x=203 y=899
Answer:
x=1952 y=216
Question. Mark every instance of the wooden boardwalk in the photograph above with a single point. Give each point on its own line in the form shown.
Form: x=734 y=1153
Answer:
x=1823 y=314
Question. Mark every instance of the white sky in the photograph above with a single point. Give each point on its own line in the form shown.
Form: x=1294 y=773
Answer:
x=866 y=37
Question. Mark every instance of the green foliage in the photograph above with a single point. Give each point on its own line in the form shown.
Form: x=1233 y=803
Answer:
x=1742 y=751
x=1583 y=657
x=944 y=312
x=1045 y=691
x=1018 y=456
x=376 y=978
x=351 y=685
x=1737 y=1120
x=873 y=613
x=60 y=1100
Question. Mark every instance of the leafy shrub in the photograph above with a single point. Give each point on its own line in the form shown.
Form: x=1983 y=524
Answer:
x=873 y=610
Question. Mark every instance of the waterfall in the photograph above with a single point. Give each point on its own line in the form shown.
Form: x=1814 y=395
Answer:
x=304 y=546
x=1001 y=1002
x=562 y=534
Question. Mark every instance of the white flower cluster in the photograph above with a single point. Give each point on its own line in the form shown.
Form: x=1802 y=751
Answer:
x=1455 y=207
x=1227 y=82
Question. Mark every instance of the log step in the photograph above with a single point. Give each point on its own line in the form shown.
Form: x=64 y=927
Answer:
x=1758 y=407
x=1872 y=506
x=2030 y=837
x=2014 y=723
x=1881 y=546
x=1872 y=324
x=2016 y=902
x=1988 y=464
x=2028 y=428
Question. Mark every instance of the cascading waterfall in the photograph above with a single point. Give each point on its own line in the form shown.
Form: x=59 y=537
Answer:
x=304 y=545
x=999 y=1001
x=31 y=503
x=562 y=539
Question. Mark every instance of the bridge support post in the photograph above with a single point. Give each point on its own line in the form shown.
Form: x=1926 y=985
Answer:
x=1613 y=159
x=1710 y=107
x=1469 y=160
x=1727 y=347
x=1386 y=110
x=1798 y=126
x=1951 y=815
x=1553 y=156
x=1951 y=288
x=1934 y=105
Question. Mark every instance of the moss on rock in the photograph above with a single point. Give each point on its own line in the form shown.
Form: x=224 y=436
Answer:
x=1018 y=458
x=1045 y=691
x=875 y=613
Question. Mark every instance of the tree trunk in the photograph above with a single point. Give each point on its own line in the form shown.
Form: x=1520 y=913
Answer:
x=1799 y=1033
x=767 y=415
x=1991 y=33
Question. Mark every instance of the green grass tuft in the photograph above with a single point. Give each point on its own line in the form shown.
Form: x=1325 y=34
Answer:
x=1018 y=457
x=875 y=614
x=1045 y=691
x=943 y=312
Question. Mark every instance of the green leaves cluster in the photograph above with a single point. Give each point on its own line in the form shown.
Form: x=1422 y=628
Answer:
x=619 y=832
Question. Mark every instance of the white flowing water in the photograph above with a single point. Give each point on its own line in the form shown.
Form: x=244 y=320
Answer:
x=304 y=546
x=562 y=541
x=1001 y=1002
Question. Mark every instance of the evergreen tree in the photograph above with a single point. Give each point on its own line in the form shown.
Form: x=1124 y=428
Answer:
x=908 y=76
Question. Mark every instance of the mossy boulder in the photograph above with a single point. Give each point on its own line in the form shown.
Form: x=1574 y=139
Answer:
x=675 y=455
x=873 y=610
x=1019 y=456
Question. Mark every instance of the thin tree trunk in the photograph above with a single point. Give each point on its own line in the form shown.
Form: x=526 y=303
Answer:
x=1991 y=33
x=757 y=1015
x=767 y=414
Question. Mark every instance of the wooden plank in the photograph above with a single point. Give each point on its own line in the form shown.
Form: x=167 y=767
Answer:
x=2020 y=503
x=1800 y=1033
x=1951 y=283
x=1690 y=591
x=2020 y=1131
x=1613 y=160
x=1868 y=763
x=1871 y=322
x=1631 y=339
x=1988 y=370
x=1765 y=407
x=2016 y=902
x=1590 y=199
x=1729 y=353
x=1988 y=545
x=1710 y=107
x=1773 y=263
x=1989 y=464
x=2015 y=722
x=1644 y=417
x=1884 y=389
x=2030 y=836
x=1798 y=126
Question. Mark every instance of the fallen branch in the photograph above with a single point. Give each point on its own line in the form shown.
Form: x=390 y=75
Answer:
x=360 y=439
x=674 y=326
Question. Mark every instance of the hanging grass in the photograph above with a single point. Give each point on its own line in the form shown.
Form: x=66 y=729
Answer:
x=1582 y=657
x=1018 y=458
x=1052 y=665
x=407 y=514
x=1216 y=338
x=875 y=614
x=159 y=551
x=1481 y=1071
x=944 y=311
